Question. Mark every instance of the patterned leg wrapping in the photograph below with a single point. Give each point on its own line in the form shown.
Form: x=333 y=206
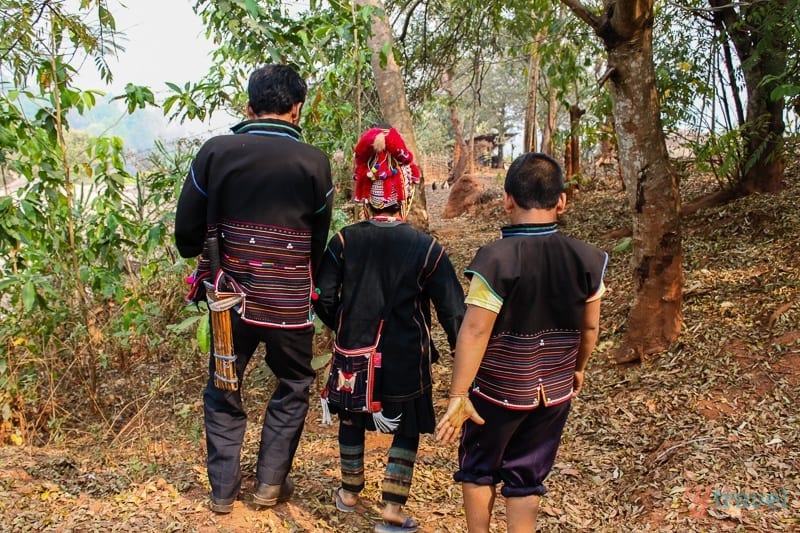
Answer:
x=351 y=456
x=400 y=469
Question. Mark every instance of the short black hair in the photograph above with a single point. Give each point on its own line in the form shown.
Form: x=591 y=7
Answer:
x=274 y=89
x=389 y=210
x=535 y=181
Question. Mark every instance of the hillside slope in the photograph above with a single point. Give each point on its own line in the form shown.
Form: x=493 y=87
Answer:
x=678 y=443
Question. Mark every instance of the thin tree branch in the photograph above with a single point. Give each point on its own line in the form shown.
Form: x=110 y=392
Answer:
x=728 y=21
x=583 y=13
x=10 y=48
x=407 y=20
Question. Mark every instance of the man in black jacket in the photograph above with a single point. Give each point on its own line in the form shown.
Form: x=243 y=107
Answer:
x=266 y=196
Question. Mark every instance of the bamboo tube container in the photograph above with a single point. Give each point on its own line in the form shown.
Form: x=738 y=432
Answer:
x=224 y=359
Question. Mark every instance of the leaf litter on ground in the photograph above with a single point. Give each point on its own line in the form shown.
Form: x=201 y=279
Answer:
x=698 y=438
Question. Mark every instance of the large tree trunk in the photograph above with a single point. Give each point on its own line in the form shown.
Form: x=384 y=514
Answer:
x=392 y=95
x=762 y=50
x=763 y=139
x=655 y=318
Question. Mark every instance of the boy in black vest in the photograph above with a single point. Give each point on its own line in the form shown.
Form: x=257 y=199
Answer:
x=531 y=324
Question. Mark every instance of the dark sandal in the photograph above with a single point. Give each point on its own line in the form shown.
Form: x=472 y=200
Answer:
x=408 y=526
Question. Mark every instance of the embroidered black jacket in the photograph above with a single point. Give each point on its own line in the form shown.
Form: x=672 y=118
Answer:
x=544 y=279
x=269 y=196
x=363 y=266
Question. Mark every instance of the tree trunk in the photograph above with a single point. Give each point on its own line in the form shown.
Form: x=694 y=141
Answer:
x=572 y=154
x=550 y=125
x=472 y=131
x=737 y=99
x=392 y=95
x=606 y=141
x=608 y=150
x=501 y=141
x=757 y=33
x=655 y=318
x=534 y=69
x=460 y=149
x=763 y=140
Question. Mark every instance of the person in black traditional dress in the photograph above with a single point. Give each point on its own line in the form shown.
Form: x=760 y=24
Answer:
x=370 y=265
x=266 y=196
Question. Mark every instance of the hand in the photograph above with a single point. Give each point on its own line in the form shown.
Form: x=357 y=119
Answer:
x=577 y=382
x=459 y=410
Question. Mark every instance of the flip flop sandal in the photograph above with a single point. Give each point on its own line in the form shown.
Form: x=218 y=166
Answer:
x=408 y=526
x=340 y=505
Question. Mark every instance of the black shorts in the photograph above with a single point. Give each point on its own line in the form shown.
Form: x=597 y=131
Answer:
x=514 y=446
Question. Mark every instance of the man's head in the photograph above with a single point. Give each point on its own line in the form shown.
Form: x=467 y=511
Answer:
x=535 y=181
x=275 y=90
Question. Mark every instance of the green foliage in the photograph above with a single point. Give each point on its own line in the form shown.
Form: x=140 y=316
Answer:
x=137 y=97
x=84 y=243
x=32 y=32
x=682 y=47
x=579 y=181
x=326 y=43
x=624 y=245
x=339 y=219
x=722 y=156
x=199 y=320
x=733 y=67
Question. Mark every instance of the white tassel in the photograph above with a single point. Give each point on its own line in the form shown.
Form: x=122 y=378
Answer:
x=386 y=425
x=327 y=420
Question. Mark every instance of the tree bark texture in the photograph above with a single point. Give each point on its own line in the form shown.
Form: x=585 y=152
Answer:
x=655 y=318
x=550 y=125
x=460 y=148
x=534 y=69
x=392 y=95
x=572 y=153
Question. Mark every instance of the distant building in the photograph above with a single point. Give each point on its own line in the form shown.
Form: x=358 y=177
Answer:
x=489 y=149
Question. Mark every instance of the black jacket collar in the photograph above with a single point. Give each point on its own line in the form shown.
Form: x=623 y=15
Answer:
x=268 y=126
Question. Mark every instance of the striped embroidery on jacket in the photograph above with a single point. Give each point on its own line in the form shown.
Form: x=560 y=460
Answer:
x=518 y=369
x=272 y=266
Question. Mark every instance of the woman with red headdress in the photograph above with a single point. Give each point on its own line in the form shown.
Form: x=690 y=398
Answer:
x=382 y=270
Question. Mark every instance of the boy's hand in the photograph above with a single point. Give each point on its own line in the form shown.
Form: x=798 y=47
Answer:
x=577 y=382
x=459 y=410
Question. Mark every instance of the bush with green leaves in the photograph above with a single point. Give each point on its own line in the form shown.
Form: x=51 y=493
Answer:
x=86 y=260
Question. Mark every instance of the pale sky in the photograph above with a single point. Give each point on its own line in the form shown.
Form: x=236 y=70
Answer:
x=163 y=41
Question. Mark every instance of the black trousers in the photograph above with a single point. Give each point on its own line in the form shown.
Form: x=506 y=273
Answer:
x=288 y=355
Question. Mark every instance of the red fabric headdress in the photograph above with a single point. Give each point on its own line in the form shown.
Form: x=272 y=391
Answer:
x=384 y=168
